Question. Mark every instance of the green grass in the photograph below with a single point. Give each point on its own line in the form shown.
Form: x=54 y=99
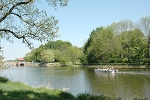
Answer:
x=20 y=91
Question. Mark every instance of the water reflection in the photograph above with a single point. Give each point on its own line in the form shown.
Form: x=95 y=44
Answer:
x=105 y=76
x=15 y=74
x=125 y=84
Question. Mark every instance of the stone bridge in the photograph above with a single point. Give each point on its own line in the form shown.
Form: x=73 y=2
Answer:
x=20 y=62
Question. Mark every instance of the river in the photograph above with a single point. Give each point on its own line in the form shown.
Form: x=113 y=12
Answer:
x=127 y=83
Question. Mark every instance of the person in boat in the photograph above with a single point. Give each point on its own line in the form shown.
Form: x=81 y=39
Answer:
x=112 y=68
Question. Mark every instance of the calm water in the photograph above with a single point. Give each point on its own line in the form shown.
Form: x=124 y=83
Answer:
x=125 y=84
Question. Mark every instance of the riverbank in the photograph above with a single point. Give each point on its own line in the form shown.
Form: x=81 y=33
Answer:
x=116 y=66
x=57 y=64
x=19 y=91
x=30 y=64
x=38 y=64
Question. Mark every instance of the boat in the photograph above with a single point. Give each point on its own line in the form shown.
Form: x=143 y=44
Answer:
x=112 y=70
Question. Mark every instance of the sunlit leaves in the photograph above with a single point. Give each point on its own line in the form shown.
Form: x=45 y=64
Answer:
x=23 y=20
x=118 y=43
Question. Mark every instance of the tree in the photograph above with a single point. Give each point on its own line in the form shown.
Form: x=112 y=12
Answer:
x=57 y=45
x=28 y=57
x=73 y=54
x=101 y=46
x=133 y=46
x=23 y=20
x=61 y=57
x=47 y=56
x=122 y=26
x=34 y=55
x=144 y=24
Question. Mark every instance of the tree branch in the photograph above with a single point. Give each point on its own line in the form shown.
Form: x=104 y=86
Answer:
x=2 y=6
x=6 y=30
x=21 y=37
x=11 y=9
x=23 y=19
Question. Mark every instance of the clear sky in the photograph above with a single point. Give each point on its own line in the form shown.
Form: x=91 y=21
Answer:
x=80 y=17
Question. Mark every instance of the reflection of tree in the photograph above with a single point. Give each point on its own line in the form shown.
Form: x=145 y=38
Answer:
x=120 y=85
x=132 y=84
x=102 y=83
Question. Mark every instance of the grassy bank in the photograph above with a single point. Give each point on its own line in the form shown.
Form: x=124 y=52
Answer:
x=19 y=91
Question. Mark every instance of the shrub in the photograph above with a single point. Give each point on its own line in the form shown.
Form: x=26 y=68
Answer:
x=3 y=79
x=66 y=96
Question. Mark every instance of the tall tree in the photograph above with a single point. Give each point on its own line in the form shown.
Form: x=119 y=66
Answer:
x=47 y=56
x=23 y=20
x=122 y=26
x=133 y=45
x=101 y=45
x=28 y=57
x=144 y=24
x=73 y=53
x=57 y=45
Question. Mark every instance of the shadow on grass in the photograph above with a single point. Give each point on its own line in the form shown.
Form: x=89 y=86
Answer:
x=30 y=95
x=3 y=79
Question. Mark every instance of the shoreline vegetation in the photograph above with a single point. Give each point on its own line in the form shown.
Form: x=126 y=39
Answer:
x=56 y=64
x=19 y=91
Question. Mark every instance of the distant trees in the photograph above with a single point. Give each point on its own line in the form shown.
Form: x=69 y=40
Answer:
x=144 y=25
x=22 y=19
x=122 y=42
x=55 y=51
x=73 y=53
x=47 y=56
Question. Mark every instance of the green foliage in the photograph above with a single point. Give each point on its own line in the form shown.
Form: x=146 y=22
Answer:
x=58 y=51
x=118 y=43
x=121 y=42
x=83 y=59
x=73 y=53
x=23 y=20
x=88 y=96
x=28 y=57
x=101 y=45
x=3 y=79
x=66 y=96
x=57 y=45
x=47 y=56
x=40 y=54
x=134 y=46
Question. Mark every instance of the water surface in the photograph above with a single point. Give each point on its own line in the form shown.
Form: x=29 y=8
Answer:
x=125 y=84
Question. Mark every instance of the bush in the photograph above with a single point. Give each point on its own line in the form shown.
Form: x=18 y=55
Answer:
x=88 y=96
x=66 y=96
x=3 y=79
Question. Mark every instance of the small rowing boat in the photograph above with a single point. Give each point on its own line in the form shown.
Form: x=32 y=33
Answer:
x=112 y=70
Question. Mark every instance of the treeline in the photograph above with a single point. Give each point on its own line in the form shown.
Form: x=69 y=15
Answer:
x=55 y=51
x=123 y=42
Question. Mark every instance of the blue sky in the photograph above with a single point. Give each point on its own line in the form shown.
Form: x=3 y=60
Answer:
x=80 y=17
